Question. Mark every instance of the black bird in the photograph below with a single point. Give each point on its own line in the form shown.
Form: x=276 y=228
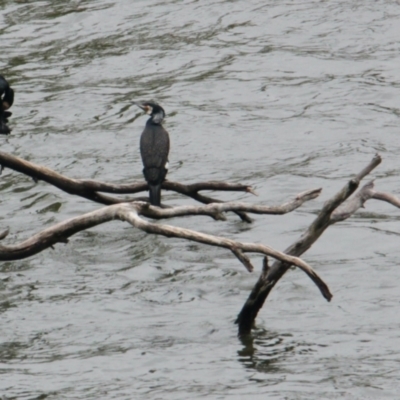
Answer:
x=154 y=149
x=6 y=101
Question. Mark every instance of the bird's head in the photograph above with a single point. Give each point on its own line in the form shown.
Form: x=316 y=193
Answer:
x=156 y=112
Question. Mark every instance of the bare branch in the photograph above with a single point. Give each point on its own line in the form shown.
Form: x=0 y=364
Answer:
x=369 y=168
x=193 y=192
x=208 y=200
x=215 y=209
x=4 y=234
x=38 y=172
x=389 y=198
x=358 y=199
x=332 y=211
x=130 y=212
x=243 y=259
x=171 y=231
x=212 y=185
x=89 y=188
x=268 y=280
x=353 y=203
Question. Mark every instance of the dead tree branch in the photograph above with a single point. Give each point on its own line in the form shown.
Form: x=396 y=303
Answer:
x=215 y=209
x=358 y=199
x=269 y=279
x=89 y=189
x=353 y=203
x=340 y=207
x=131 y=212
x=389 y=198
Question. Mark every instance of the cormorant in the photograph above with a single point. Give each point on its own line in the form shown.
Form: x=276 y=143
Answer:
x=6 y=101
x=154 y=149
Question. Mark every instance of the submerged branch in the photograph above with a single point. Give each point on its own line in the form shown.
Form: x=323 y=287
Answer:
x=268 y=280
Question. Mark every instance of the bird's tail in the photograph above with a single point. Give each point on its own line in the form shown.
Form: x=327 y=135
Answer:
x=4 y=129
x=155 y=194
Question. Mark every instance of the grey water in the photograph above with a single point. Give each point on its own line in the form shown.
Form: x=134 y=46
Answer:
x=282 y=95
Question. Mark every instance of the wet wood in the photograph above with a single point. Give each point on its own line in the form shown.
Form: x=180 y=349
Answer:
x=267 y=281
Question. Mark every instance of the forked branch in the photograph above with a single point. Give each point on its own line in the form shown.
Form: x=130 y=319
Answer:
x=215 y=209
x=130 y=212
x=90 y=189
x=269 y=279
x=358 y=199
x=340 y=207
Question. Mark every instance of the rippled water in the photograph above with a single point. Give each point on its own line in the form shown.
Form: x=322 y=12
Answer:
x=285 y=96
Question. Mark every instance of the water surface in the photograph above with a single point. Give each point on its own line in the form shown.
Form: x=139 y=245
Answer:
x=285 y=96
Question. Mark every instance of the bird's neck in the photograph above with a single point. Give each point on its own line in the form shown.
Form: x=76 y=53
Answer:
x=156 y=119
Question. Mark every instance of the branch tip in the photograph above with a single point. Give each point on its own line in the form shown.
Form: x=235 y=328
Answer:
x=243 y=258
x=251 y=191
x=4 y=234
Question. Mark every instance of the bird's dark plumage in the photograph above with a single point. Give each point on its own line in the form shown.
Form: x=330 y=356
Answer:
x=6 y=101
x=154 y=149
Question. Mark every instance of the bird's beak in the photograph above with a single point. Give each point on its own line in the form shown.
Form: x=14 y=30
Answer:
x=147 y=109
x=140 y=105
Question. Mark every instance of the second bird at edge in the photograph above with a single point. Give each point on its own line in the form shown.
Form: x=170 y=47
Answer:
x=154 y=149
x=6 y=101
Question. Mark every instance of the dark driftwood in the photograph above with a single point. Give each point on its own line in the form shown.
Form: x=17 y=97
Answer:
x=131 y=212
x=90 y=189
x=271 y=276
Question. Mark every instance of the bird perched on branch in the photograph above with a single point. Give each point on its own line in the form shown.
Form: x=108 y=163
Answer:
x=6 y=101
x=154 y=149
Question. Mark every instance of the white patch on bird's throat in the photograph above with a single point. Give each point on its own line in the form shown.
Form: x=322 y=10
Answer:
x=158 y=117
x=149 y=110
